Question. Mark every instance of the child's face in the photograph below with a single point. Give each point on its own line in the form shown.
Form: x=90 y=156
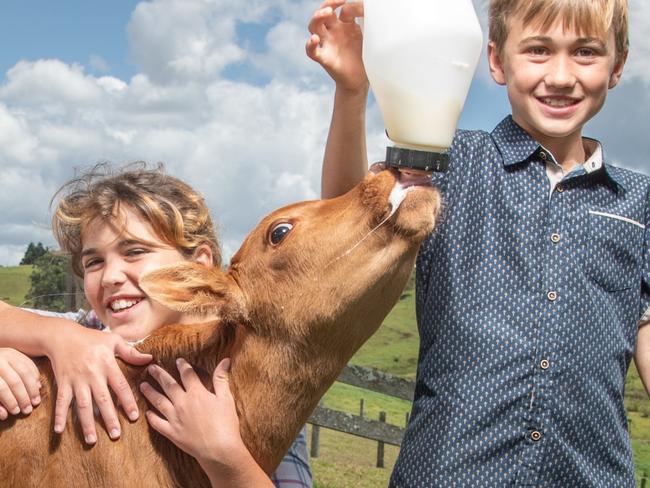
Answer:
x=113 y=263
x=556 y=80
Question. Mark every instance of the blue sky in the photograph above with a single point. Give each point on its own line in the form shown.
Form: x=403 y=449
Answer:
x=221 y=91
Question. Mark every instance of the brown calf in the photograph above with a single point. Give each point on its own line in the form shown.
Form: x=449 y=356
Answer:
x=309 y=285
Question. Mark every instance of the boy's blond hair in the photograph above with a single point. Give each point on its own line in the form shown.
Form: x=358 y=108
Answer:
x=589 y=17
x=177 y=213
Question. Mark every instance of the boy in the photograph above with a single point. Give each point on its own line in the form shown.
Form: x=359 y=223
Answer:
x=530 y=291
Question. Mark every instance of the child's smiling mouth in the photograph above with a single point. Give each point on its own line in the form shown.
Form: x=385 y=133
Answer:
x=122 y=304
x=558 y=101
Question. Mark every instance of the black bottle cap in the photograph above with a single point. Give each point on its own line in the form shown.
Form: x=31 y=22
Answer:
x=399 y=157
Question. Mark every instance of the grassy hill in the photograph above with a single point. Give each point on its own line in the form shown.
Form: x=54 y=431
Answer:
x=14 y=283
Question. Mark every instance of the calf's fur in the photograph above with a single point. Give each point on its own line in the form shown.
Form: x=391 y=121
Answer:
x=290 y=315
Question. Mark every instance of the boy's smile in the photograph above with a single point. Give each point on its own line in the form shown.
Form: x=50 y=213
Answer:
x=557 y=80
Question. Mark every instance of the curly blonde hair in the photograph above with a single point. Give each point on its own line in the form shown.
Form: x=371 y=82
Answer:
x=585 y=16
x=176 y=212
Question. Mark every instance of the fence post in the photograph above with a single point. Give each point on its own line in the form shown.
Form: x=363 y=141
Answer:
x=361 y=408
x=380 y=444
x=643 y=480
x=315 y=439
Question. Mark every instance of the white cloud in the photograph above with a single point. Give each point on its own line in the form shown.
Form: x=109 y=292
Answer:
x=249 y=147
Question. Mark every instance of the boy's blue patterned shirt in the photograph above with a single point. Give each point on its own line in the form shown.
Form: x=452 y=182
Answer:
x=528 y=304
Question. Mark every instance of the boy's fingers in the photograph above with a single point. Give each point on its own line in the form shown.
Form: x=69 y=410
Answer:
x=122 y=389
x=84 y=405
x=63 y=399
x=350 y=11
x=3 y=413
x=7 y=398
x=104 y=402
x=157 y=400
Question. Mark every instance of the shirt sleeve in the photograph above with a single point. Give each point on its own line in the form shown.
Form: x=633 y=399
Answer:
x=83 y=317
x=294 y=471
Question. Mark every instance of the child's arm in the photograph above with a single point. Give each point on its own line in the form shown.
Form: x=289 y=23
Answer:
x=642 y=354
x=83 y=361
x=191 y=422
x=335 y=43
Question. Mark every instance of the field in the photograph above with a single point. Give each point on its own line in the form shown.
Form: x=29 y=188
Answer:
x=14 y=283
x=349 y=462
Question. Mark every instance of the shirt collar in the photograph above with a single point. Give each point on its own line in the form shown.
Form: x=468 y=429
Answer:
x=517 y=146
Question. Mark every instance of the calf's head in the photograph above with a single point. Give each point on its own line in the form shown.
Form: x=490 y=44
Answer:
x=321 y=272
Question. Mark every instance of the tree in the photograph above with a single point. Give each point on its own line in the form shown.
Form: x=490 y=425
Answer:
x=33 y=253
x=48 y=282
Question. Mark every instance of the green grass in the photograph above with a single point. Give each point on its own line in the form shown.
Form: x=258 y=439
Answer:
x=14 y=283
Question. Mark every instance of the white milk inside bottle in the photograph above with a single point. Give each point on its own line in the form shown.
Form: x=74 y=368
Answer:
x=420 y=57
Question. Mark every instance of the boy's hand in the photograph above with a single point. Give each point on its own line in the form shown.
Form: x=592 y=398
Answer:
x=336 y=42
x=85 y=368
x=19 y=383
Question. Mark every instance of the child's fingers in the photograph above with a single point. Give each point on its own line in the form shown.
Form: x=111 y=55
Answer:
x=159 y=424
x=61 y=406
x=131 y=355
x=189 y=379
x=18 y=390
x=159 y=401
x=7 y=398
x=221 y=375
x=311 y=48
x=3 y=413
x=122 y=389
x=166 y=382
x=30 y=377
x=350 y=11
x=104 y=402
x=84 y=405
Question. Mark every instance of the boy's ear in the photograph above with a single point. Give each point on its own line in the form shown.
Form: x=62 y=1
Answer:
x=617 y=72
x=195 y=289
x=496 y=63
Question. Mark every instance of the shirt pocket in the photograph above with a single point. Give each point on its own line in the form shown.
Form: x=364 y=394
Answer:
x=614 y=250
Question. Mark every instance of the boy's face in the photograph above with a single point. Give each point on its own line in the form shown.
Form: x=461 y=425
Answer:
x=556 y=80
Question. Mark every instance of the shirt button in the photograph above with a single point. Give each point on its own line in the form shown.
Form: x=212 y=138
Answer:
x=555 y=238
x=535 y=435
x=542 y=155
x=559 y=188
x=544 y=364
x=552 y=296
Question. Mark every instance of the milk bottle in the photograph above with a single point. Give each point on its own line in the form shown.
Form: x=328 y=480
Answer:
x=420 y=57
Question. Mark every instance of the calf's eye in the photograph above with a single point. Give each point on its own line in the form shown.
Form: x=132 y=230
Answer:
x=279 y=232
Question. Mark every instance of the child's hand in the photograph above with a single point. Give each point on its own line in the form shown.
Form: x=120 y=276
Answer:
x=85 y=368
x=203 y=424
x=19 y=383
x=336 y=42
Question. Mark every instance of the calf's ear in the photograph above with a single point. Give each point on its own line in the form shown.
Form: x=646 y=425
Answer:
x=194 y=288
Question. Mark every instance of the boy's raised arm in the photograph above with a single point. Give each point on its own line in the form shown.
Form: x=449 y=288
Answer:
x=335 y=43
